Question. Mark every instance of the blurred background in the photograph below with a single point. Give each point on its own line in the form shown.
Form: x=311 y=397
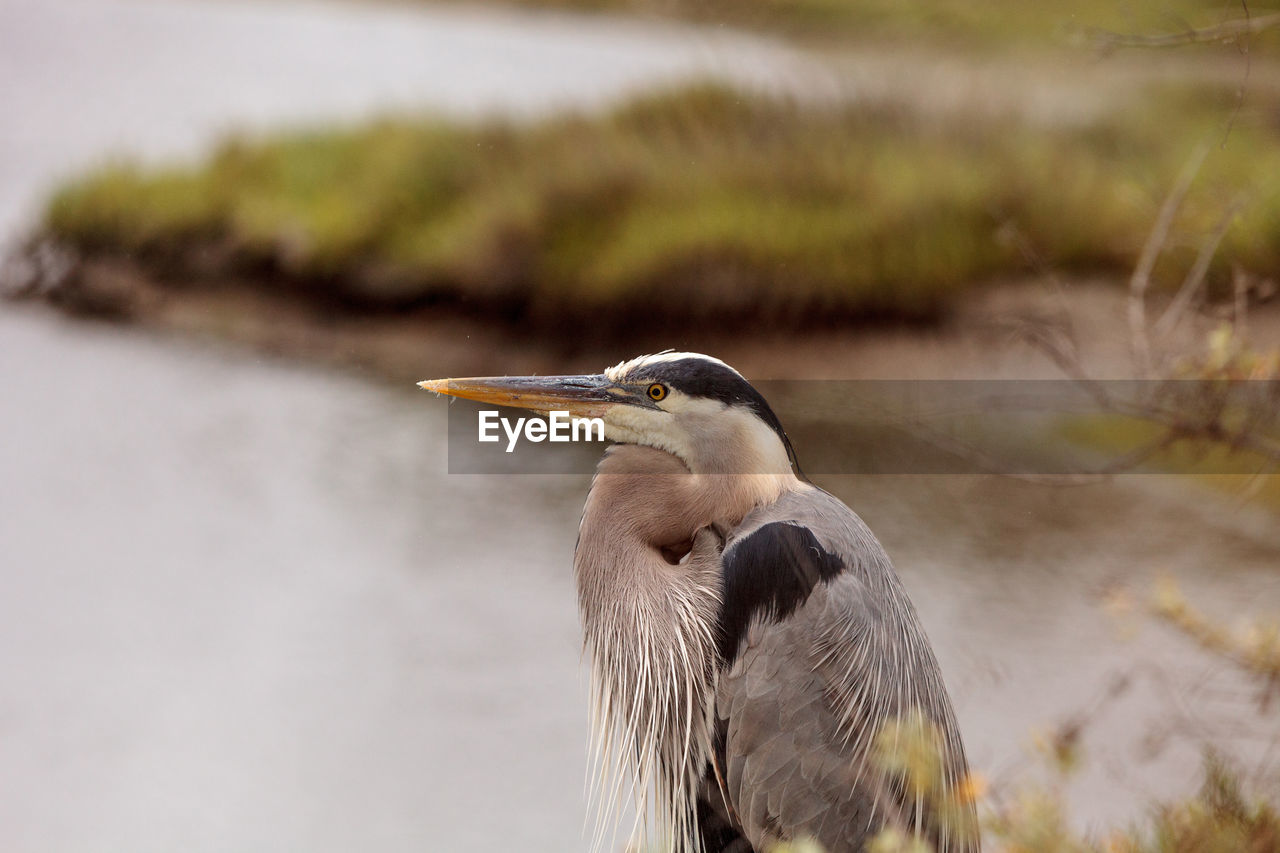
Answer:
x=244 y=605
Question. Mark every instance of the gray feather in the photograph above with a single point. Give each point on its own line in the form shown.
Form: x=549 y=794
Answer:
x=806 y=696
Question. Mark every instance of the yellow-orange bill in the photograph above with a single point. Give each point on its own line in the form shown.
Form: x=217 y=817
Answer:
x=583 y=396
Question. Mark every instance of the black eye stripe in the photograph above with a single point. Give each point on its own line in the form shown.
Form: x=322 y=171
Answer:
x=699 y=377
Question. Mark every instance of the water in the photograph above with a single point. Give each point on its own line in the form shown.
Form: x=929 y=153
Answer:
x=246 y=608
x=84 y=80
x=243 y=607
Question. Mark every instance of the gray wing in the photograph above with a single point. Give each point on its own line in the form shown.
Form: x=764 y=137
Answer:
x=828 y=653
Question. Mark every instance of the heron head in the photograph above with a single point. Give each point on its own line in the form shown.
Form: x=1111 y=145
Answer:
x=690 y=405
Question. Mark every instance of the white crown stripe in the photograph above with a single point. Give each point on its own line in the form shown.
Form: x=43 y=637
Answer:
x=622 y=369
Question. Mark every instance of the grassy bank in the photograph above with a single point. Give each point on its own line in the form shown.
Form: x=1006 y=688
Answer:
x=692 y=204
x=950 y=22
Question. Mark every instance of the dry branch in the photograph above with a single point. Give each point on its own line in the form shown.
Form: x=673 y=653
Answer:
x=1196 y=275
x=1140 y=281
x=1225 y=32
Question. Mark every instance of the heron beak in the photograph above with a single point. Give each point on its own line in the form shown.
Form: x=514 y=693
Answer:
x=587 y=396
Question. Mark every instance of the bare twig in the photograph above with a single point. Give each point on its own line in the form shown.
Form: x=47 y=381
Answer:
x=1068 y=361
x=1196 y=275
x=981 y=459
x=1140 y=281
x=1240 y=287
x=1256 y=482
x=1224 y=32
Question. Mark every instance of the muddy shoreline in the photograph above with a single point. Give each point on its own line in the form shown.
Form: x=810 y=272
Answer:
x=986 y=337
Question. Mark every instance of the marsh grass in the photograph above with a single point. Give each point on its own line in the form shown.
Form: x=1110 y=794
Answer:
x=951 y=22
x=692 y=204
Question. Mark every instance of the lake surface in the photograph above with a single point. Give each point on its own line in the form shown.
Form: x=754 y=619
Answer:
x=244 y=607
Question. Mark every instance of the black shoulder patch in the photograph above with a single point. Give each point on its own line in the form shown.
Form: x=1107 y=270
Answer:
x=768 y=575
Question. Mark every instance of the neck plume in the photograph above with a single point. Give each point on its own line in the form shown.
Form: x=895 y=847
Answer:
x=649 y=582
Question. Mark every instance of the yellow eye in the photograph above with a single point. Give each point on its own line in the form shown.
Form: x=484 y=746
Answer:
x=657 y=392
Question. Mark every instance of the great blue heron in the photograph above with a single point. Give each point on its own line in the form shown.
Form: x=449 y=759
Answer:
x=748 y=634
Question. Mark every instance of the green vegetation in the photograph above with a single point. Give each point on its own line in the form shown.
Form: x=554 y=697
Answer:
x=1240 y=473
x=1215 y=418
x=1224 y=817
x=954 y=22
x=1227 y=815
x=689 y=203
